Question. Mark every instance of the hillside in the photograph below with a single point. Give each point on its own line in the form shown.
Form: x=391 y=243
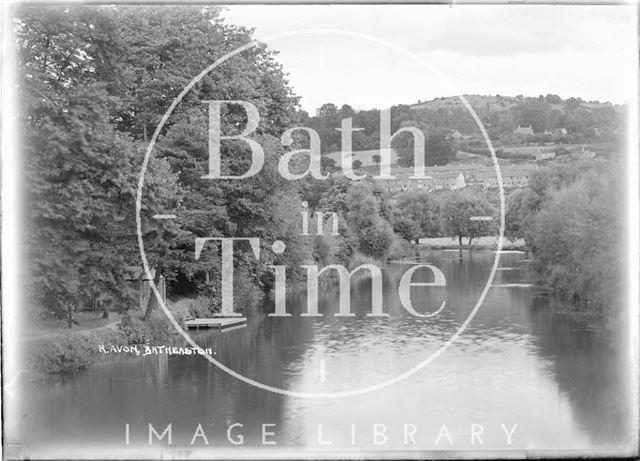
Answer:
x=504 y=103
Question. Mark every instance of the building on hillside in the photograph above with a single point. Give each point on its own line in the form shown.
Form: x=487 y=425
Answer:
x=523 y=130
x=456 y=177
x=450 y=180
x=561 y=132
x=465 y=168
x=544 y=155
x=457 y=136
x=510 y=178
x=436 y=178
x=461 y=183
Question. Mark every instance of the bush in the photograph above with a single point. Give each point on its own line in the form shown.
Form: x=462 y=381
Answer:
x=376 y=241
x=203 y=307
x=136 y=331
x=65 y=355
x=576 y=240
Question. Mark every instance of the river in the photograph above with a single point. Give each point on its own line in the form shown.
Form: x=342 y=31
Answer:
x=521 y=376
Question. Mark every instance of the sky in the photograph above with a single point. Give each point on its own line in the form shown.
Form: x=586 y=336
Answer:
x=383 y=55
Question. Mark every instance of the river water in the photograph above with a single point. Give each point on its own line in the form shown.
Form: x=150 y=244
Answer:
x=521 y=377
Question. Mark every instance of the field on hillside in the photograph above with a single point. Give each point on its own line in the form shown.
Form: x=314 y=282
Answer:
x=365 y=156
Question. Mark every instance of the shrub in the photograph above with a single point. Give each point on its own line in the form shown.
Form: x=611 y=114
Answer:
x=65 y=355
x=576 y=244
x=203 y=307
x=136 y=331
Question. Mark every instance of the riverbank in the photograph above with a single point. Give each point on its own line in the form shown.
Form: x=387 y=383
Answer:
x=52 y=349
x=481 y=243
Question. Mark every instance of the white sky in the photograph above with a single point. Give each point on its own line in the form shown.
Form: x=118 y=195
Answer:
x=585 y=51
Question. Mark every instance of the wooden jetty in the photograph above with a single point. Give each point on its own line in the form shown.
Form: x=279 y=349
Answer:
x=219 y=323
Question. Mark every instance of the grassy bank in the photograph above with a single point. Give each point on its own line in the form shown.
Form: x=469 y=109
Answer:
x=55 y=350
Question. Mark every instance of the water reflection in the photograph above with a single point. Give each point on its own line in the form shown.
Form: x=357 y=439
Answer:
x=518 y=363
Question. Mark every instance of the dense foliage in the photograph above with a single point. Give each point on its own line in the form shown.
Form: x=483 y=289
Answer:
x=578 y=121
x=93 y=85
x=571 y=216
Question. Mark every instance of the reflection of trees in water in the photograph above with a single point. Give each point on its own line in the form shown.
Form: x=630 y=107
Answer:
x=592 y=368
x=94 y=406
x=262 y=351
x=391 y=339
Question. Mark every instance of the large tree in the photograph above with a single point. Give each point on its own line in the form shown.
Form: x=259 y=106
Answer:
x=94 y=83
x=81 y=172
x=168 y=47
x=458 y=209
x=417 y=215
x=438 y=149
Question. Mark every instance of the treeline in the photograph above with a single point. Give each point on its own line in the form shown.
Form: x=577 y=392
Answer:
x=572 y=216
x=583 y=122
x=93 y=84
x=409 y=215
x=438 y=147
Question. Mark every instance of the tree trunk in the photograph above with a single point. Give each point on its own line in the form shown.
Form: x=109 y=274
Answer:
x=105 y=312
x=460 y=240
x=69 y=315
x=153 y=299
x=470 y=238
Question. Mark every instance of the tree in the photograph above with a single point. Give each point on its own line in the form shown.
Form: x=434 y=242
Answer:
x=576 y=244
x=438 y=149
x=357 y=164
x=80 y=170
x=406 y=227
x=374 y=233
x=457 y=210
x=553 y=99
x=163 y=57
x=522 y=206
x=327 y=163
x=346 y=111
x=94 y=83
x=533 y=112
x=417 y=215
x=329 y=112
x=376 y=159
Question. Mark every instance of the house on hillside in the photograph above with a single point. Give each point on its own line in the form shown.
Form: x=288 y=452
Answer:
x=510 y=178
x=436 y=178
x=457 y=136
x=544 y=155
x=523 y=130
x=452 y=180
x=461 y=182
x=560 y=132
